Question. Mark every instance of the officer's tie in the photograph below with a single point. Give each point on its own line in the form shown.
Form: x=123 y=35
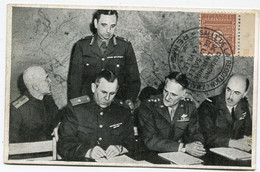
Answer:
x=103 y=47
x=233 y=114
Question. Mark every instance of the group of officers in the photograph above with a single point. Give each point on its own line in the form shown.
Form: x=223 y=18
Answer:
x=103 y=86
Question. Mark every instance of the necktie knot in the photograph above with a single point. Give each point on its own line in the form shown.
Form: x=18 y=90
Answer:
x=103 y=47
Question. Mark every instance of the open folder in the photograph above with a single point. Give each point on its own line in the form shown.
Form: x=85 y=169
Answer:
x=231 y=153
x=181 y=158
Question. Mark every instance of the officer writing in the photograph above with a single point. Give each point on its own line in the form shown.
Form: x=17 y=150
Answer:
x=98 y=127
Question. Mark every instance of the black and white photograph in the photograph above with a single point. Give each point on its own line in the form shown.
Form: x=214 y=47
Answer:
x=121 y=86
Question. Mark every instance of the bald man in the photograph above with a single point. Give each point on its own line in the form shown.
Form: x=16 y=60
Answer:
x=225 y=120
x=33 y=116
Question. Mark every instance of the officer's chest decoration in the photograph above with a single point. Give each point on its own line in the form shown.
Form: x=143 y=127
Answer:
x=243 y=115
x=116 y=125
x=184 y=118
x=115 y=57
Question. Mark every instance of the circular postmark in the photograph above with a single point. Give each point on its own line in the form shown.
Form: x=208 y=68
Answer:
x=204 y=55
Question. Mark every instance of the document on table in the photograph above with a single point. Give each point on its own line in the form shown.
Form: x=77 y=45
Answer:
x=181 y=158
x=231 y=153
x=121 y=159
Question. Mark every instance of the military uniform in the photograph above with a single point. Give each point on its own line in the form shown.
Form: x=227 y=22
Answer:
x=216 y=122
x=87 y=125
x=162 y=134
x=32 y=119
x=87 y=61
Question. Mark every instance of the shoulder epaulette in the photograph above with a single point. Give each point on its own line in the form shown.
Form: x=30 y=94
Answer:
x=186 y=99
x=88 y=37
x=154 y=99
x=209 y=100
x=120 y=103
x=19 y=102
x=121 y=38
x=80 y=100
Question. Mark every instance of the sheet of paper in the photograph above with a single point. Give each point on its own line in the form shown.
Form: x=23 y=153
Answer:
x=181 y=158
x=231 y=153
x=121 y=159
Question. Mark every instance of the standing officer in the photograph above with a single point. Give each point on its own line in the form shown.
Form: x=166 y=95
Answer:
x=169 y=123
x=104 y=50
x=33 y=116
x=99 y=127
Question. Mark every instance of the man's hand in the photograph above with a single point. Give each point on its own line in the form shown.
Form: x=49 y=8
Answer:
x=130 y=104
x=97 y=152
x=113 y=150
x=243 y=144
x=195 y=149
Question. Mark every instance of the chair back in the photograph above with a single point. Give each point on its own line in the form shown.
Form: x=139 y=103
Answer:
x=34 y=147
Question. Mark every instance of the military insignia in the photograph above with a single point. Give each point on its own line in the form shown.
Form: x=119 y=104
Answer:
x=186 y=99
x=121 y=103
x=115 y=125
x=184 y=117
x=115 y=57
x=114 y=40
x=209 y=100
x=118 y=57
x=80 y=100
x=19 y=102
x=92 y=40
x=243 y=115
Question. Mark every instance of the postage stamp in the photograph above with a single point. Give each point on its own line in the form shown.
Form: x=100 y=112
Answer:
x=142 y=46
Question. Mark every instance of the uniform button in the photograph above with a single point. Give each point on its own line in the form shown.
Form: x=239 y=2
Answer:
x=100 y=126
x=121 y=102
x=117 y=65
x=101 y=113
x=100 y=138
x=181 y=105
x=79 y=100
x=87 y=64
x=103 y=59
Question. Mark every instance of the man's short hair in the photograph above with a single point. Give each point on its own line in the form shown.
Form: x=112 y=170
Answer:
x=179 y=77
x=107 y=75
x=105 y=12
x=31 y=75
x=247 y=84
x=246 y=80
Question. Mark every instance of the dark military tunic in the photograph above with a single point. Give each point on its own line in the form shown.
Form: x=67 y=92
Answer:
x=162 y=134
x=216 y=122
x=87 y=61
x=32 y=119
x=87 y=125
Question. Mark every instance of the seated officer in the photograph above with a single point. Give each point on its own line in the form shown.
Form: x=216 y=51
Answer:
x=169 y=123
x=96 y=128
x=33 y=116
x=225 y=119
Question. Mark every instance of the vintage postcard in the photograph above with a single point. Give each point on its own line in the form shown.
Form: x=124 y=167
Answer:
x=184 y=93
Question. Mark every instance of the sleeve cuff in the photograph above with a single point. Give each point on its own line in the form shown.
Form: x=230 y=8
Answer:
x=181 y=147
